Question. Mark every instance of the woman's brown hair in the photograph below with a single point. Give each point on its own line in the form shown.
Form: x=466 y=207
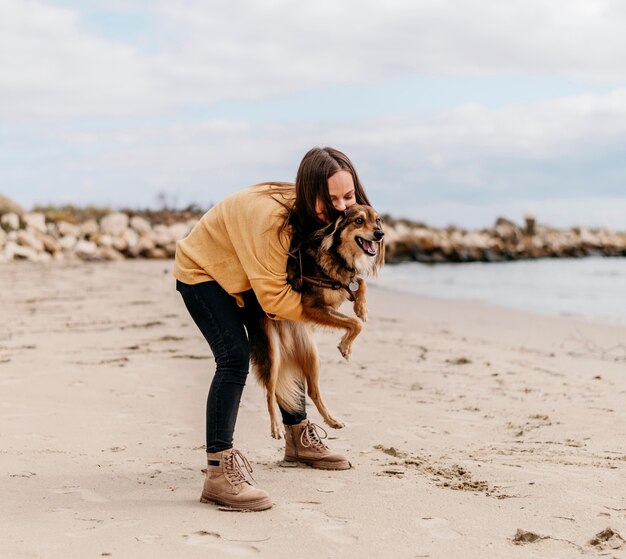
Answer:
x=316 y=167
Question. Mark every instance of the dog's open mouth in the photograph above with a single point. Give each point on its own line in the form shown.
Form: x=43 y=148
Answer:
x=369 y=247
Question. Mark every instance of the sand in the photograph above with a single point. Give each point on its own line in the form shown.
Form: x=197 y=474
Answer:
x=474 y=431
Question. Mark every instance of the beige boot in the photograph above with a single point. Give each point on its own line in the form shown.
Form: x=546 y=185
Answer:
x=227 y=485
x=303 y=444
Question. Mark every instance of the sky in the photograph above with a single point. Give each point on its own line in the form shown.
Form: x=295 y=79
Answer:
x=452 y=111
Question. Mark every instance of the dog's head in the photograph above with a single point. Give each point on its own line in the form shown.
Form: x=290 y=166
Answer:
x=357 y=236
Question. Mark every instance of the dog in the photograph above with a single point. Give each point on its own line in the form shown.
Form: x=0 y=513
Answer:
x=327 y=269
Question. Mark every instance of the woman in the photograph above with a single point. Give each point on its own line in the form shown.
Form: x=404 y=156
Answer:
x=241 y=245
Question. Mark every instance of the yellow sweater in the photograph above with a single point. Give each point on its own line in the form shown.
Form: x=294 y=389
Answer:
x=238 y=244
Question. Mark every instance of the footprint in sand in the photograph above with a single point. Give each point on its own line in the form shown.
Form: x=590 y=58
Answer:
x=332 y=529
x=85 y=494
x=214 y=540
x=438 y=528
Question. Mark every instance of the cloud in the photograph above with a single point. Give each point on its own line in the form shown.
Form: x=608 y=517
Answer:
x=489 y=161
x=53 y=70
x=54 y=67
x=91 y=117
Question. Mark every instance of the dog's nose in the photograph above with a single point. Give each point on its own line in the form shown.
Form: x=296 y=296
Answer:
x=378 y=234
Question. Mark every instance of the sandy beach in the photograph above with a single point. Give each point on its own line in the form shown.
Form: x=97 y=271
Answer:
x=466 y=424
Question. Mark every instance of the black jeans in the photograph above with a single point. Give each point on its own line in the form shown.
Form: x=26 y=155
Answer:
x=221 y=322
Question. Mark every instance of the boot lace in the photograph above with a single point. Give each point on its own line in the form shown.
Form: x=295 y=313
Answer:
x=234 y=465
x=310 y=437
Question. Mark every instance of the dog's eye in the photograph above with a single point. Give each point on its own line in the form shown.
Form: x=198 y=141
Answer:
x=359 y=221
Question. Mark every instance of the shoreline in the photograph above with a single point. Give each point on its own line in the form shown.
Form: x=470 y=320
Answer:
x=465 y=423
x=375 y=283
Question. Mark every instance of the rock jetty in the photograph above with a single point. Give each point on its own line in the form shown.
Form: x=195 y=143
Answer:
x=406 y=241
x=44 y=237
x=115 y=236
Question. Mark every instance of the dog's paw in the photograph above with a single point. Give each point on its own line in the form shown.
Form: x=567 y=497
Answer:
x=335 y=423
x=362 y=314
x=345 y=351
x=278 y=431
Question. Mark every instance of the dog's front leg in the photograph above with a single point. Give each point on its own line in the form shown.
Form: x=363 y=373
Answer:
x=360 y=303
x=353 y=330
x=328 y=316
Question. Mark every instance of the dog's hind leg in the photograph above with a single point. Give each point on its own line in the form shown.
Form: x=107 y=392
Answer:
x=274 y=350
x=309 y=363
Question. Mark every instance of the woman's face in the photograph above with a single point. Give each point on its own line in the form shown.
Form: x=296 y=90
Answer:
x=341 y=190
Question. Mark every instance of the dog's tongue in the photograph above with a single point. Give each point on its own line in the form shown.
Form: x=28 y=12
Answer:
x=369 y=246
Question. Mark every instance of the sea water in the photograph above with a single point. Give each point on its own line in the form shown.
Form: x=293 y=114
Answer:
x=591 y=287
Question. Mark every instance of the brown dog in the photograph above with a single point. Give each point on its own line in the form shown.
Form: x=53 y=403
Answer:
x=327 y=270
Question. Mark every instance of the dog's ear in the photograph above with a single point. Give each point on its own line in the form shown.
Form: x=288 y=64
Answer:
x=328 y=233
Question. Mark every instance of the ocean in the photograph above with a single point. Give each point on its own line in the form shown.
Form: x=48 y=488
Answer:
x=593 y=288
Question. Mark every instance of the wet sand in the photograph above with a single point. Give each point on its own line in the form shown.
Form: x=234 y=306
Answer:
x=466 y=424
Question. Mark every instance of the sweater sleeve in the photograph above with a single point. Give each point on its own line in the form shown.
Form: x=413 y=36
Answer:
x=266 y=269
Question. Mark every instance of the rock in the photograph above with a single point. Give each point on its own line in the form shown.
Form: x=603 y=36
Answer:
x=157 y=253
x=507 y=230
x=50 y=244
x=68 y=229
x=10 y=221
x=85 y=250
x=143 y=245
x=425 y=239
x=109 y=253
x=36 y=221
x=402 y=229
x=119 y=243
x=178 y=231
x=170 y=249
x=89 y=228
x=161 y=235
x=140 y=224
x=3 y=238
x=101 y=240
x=67 y=243
x=13 y=251
x=131 y=237
x=28 y=239
x=391 y=235
x=114 y=224
x=9 y=206
x=53 y=230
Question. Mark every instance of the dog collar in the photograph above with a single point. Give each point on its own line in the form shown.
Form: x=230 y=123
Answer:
x=328 y=283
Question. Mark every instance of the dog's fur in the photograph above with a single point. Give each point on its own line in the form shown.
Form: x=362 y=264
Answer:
x=283 y=352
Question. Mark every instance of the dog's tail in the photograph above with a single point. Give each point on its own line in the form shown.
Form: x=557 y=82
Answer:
x=290 y=389
x=290 y=384
x=271 y=347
